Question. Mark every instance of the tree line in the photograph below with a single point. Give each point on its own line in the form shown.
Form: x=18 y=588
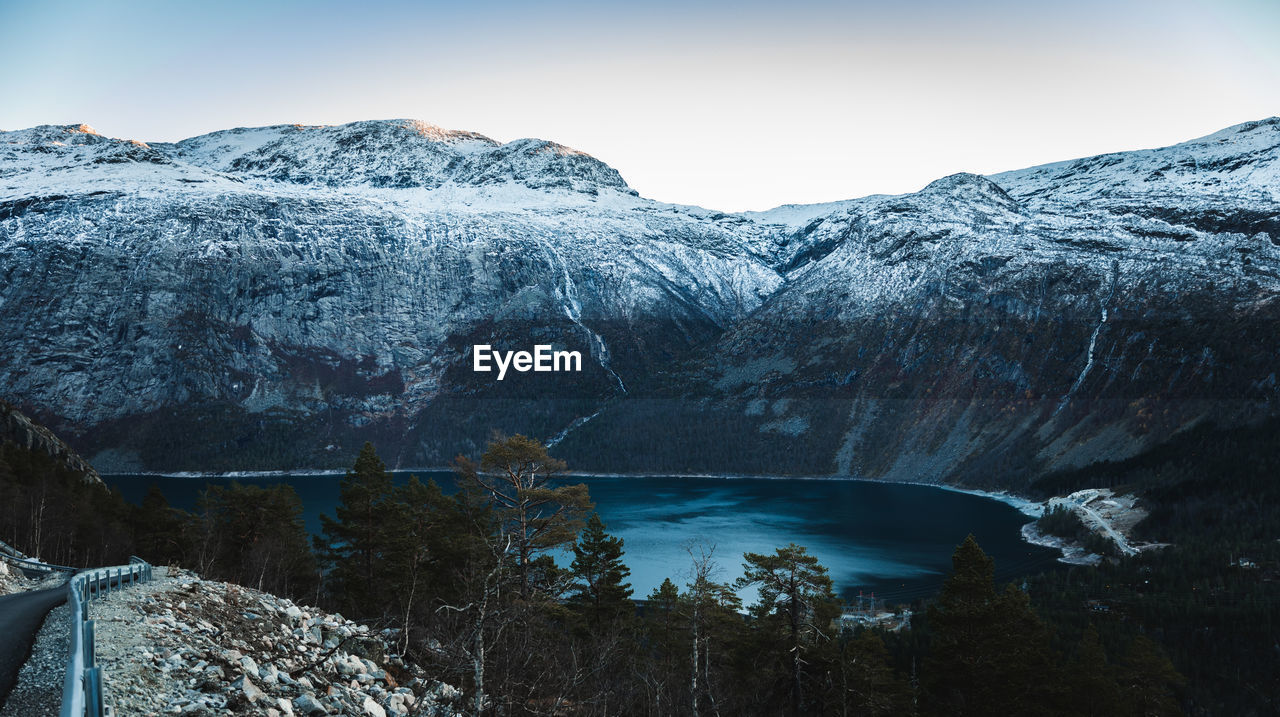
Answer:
x=470 y=586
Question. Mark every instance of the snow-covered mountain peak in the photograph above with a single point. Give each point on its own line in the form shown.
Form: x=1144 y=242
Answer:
x=538 y=164
x=51 y=154
x=394 y=154
x=54 y=135
x=439 y=134
x=967 y=187
x=1241 y=162
x=1265 y=131
x=318 y=287
x=66 y=133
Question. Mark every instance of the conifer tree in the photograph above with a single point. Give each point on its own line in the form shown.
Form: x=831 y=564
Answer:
x=867 y=683
x=354 y=545
x=1092 y=682
x=518 y=476
x=255 y=536
x=159 y=529
x=663 y=598
x=794 y=586
x=1150 y=680
x=601 y=592
x=664 y=636
x=989 y=653
x=420 y=525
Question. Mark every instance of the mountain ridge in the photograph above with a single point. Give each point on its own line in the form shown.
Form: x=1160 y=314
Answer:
x=297 y=281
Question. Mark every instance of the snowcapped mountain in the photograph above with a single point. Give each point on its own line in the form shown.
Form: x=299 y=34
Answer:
x=330 y=281
x=1237 y=165
x=269 y=297
x=399 y=154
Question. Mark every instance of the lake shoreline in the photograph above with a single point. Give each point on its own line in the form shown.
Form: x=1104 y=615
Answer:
x=1026 y=506
x=889 y=536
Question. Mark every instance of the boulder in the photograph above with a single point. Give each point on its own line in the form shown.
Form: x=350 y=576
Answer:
x=307 y=704
x=373 y=709
x=250 y=690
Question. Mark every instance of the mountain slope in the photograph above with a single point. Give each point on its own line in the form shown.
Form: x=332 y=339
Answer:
x=30 y=437
x=266 y=303
x=966 y=333
x=265 y=298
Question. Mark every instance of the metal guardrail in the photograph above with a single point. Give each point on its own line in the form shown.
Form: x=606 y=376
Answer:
x=35 y=568
x=82 y=686
x=11 y=551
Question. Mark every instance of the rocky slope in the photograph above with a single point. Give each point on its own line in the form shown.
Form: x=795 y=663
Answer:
x=266 y=298
x=182 y=645
x=31 y=436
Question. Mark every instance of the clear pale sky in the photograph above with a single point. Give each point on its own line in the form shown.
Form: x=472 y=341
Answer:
x=731 y=105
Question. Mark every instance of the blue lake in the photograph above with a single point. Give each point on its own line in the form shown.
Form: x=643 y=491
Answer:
x=893 y=539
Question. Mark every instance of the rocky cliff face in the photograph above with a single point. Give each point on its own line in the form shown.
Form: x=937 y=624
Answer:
x=31 y=436
x=268 y=298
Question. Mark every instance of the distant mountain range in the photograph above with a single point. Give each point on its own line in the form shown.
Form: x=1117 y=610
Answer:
x=269 y=298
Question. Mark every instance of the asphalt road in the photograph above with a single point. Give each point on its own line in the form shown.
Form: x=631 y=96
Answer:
x=21 y=616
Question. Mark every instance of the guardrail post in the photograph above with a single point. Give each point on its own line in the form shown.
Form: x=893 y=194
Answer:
x=90 y=638
x=93 y=692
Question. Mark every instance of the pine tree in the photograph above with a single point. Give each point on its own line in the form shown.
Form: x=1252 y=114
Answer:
x=795 y=587
x=160 y=531
x=418 y=543
x=989 y=653
x=600 y=591
x=1150 y=680
x=665 y=639
x=1092 y=682
x=354 y=545
x=536 y=515
x=255 y=536
x=867 y=683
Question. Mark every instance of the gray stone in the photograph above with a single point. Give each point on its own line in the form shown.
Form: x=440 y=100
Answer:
x=373 y=709
x=307 y=704
x=250 y=690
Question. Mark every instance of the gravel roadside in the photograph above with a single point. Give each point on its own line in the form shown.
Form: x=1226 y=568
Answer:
x=38 y=692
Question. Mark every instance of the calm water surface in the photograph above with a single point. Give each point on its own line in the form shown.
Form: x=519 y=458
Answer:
x=893 y=539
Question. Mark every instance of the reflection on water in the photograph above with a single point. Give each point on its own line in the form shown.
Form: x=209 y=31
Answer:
x=894 y=539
